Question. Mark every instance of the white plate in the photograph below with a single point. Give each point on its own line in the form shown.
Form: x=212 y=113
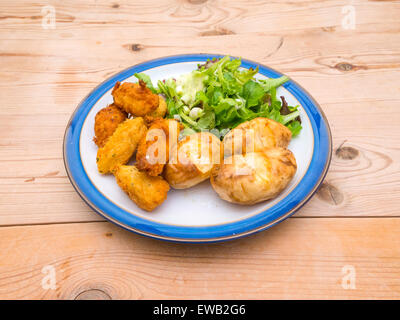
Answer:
x=195 y=214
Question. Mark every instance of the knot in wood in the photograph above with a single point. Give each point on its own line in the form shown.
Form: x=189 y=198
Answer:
x=93 y=294
x=329 y=193
x=347 y=153
x=344 y=66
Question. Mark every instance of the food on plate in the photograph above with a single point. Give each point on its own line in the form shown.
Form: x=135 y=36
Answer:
x=120 y=147
x=135 y=98
x=153 y=150
x=192 y=160
x=254 y=177
x=161 y=109
x=256 y=135
x=176 y=130
x=146 y=191
x=105 y=123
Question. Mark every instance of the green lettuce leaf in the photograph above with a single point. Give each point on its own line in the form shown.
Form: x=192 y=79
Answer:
x=147 y=81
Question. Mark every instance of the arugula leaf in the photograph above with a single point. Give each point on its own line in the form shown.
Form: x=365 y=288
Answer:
x=252 y=93
x=295 y=127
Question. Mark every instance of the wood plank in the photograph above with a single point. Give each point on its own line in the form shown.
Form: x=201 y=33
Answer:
x=56 y=76
x=126 y=19
x=298 y=259
x=364 y=176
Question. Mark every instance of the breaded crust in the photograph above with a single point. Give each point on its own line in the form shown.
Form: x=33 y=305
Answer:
x=120 y=147
x=153 y=149
x=146 y=191
x=135 y=98
x=106 y=122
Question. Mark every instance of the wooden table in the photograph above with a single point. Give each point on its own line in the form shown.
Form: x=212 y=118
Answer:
x=345 y=243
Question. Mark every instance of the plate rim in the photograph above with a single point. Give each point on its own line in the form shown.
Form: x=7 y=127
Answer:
x=202 y=237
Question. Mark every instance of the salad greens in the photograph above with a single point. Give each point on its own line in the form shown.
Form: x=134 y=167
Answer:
x=220 y=95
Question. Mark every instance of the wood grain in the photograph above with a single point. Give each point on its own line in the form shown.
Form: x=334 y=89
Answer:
x=103 y=20
x=352 y=220
x=300 y=258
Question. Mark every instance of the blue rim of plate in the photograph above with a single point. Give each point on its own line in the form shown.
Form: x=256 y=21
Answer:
x=285 y=208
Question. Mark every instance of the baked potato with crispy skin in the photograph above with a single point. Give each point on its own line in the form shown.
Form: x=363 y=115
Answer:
x=256 y=135
x=105 y=123
x=135 y=98
x=153 y=150
x=192 y=159
x=120 y=147
x=146 y=191
x=254 y=177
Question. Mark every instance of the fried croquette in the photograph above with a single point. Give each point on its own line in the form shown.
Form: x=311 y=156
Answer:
x=146 y=191
x=161 y=109
x=105 y=123
x=135 y=98
x=153 y=149
x=120 y=147
x=256 y=135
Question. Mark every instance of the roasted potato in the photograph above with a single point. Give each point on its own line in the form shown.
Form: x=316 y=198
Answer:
x=153 y=149
x=192 y=160
x=256 y=135
x=254 y=177
x=120 y=147
x=146 y=191
x=135 y=98
x=105 y=123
